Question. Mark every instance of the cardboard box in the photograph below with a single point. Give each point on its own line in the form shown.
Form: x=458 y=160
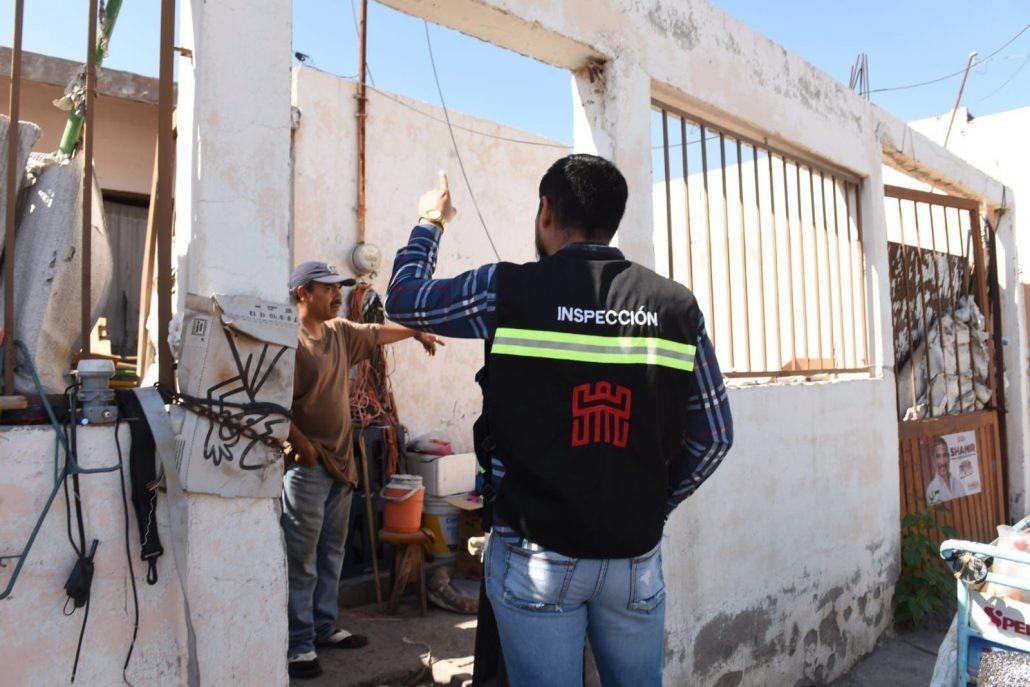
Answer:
x=235 y=349
x=444 y=475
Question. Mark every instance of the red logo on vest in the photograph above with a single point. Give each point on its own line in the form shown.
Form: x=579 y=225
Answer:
x=600 y=414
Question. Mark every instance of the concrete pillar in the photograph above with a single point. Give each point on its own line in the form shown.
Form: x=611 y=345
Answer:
x=1016 y=352
x=612 y=118
x=232 y=237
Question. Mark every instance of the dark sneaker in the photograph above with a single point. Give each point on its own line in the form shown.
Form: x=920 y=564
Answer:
x=341 y=639
x=304 y=665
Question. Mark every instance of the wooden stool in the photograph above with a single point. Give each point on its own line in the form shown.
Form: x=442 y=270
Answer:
x=408 y=566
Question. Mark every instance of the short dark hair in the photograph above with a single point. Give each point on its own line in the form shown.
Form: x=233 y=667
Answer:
x=309 y=285
x=587 y=193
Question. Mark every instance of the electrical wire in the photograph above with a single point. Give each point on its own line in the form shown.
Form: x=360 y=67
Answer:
x=391 y=96
x=1007 y=81
x=454 y=141
x=82 y=634
x=357 y=33
x=954 y=74
x=509 y=139
x=128 y=552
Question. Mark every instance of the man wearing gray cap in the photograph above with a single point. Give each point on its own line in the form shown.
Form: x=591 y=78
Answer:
x=320 y=472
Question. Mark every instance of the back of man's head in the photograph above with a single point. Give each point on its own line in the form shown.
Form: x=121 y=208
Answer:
x=587 y=194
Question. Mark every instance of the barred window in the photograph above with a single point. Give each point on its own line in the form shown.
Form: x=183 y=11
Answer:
x=768 y=242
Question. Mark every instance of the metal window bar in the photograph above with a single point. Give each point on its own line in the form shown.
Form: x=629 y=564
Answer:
x=929 y=280
x=162 y=201
x=10 y=326
x=780 y=237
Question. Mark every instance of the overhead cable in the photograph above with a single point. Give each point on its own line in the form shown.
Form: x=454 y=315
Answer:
x=954 y=74
x=454 y=142
x=1007 y=81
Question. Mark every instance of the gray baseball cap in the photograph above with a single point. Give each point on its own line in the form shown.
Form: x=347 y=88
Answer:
x=312 y=270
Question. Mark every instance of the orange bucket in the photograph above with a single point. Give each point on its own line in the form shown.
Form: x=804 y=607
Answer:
x=404 y=495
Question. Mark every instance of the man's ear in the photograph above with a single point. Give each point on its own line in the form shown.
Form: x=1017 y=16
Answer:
x=546 y=212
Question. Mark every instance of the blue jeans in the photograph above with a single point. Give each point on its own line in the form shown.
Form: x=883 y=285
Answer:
x=546 y=604
x=316 y=509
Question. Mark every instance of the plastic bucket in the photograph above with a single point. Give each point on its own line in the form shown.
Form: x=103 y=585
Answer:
x=443 y=520
x=404 y=495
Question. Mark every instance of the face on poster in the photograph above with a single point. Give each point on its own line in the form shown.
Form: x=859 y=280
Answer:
x=951 y=467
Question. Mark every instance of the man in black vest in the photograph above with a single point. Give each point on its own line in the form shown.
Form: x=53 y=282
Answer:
x=603 y=408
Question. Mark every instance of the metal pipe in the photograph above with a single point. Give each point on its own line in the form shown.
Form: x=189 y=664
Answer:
x=87 y=182
x=922 y=299
x=840 y=273
x=165 y=180
x=776 y=258
x=815 y=256
x=761 y=260
x=790 y=266
x=668 y=191
x=708 y=231
x=686 y=203
x=726 y=233
x=829 y=275
x=986 y=308
x=362 y=100
x=954 y=307
x=861 y=275
x=937 y=286
x=851 y=273
x=908 y=299
x=743 y=243
x=804 y=271
x=10 y=328
x=958 y=97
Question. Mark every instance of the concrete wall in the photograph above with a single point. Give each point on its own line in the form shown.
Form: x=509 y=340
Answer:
x=123 y=139
x=693 y=56
x=406 y=149
x=38 y=646
x=780 y=570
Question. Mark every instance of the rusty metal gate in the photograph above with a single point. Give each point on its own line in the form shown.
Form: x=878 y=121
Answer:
x=946 y=325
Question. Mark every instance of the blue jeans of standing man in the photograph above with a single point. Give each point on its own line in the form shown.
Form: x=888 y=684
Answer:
x=546 y=604
x=316 y=509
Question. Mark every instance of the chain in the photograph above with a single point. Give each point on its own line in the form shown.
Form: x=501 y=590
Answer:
x=225 y=418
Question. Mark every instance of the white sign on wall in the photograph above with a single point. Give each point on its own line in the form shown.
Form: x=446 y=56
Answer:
x=951 y=467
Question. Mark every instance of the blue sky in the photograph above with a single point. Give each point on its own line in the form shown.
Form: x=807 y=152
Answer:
x=907 y=42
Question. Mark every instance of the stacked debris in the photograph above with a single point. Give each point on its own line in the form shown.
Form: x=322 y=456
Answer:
x=946 y=373
x=47 y=264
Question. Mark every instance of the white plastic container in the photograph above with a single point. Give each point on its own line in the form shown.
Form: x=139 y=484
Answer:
x=444 y=475
x=443 y=519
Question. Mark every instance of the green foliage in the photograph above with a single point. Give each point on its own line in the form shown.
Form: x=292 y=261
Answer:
x=925 y=583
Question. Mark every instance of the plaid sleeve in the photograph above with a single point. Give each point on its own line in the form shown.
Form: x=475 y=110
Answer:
x=460 y=307
x=709 y=431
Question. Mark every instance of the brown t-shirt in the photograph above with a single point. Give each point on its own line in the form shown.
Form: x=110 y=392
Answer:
x=321 y=390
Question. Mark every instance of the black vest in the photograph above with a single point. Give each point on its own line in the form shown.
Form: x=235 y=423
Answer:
x=585 y=390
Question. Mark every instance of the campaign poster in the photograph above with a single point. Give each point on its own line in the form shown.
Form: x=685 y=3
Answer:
x=951 y=467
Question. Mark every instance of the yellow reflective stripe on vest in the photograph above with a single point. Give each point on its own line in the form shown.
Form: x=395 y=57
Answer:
x=610 y=350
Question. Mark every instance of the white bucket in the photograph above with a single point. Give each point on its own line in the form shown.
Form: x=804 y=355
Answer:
x=442 y=518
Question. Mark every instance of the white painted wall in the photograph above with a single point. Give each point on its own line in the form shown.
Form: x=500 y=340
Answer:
x=38 y=646
x=780 y=570
x=406 y=149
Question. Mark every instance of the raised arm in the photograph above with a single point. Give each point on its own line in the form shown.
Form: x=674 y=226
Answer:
x=461 y=306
